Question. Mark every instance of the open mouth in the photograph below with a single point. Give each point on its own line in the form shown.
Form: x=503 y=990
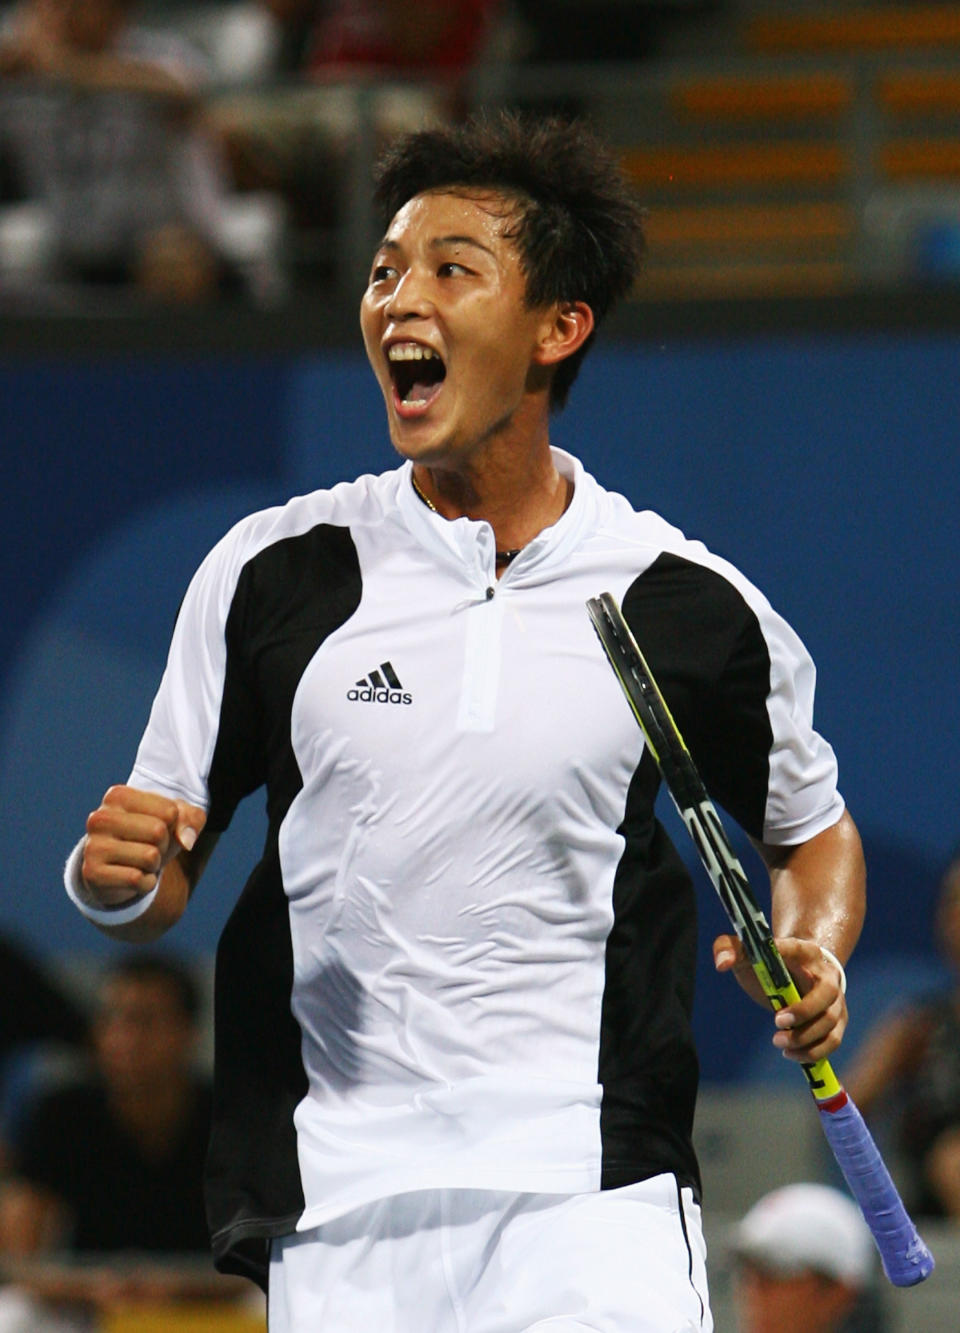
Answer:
x=417 y=373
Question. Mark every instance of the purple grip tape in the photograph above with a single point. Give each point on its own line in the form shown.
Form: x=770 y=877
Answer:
x=906 y=1259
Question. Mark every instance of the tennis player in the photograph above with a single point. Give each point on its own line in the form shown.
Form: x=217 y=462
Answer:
x=455 y=1077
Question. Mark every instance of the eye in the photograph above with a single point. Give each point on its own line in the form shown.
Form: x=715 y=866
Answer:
x=382 y=273
x=451 y=269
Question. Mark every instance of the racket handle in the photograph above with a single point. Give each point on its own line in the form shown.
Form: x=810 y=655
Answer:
x=906 y=1259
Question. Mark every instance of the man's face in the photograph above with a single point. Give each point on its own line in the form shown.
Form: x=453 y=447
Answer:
x=451 y=341
x=142 y=1036
x=800 y=1303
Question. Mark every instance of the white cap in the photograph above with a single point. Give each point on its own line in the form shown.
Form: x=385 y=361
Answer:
x=802 y=1227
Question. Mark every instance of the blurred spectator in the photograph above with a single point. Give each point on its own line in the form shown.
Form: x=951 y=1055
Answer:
x=259 y=41
x=312 y=82
x=255 y=42
x=436 y=37
x=805 y=1263
x=117 y=177
x=909 y=1066
x=39 y=1022
x=110 y=1166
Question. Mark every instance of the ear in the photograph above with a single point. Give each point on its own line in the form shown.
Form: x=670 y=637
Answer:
x=566 y=327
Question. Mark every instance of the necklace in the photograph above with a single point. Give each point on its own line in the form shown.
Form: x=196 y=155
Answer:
x=500 y=557
x=426 y=500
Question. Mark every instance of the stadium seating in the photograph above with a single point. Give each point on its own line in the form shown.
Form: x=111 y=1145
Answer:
x=806 y=158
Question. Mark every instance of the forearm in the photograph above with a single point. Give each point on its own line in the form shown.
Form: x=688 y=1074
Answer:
x=819 y=889
x=886 y=1057
x=818 y=901
x=119 y=74
x=106 y=72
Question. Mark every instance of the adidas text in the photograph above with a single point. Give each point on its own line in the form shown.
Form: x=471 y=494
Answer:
x=368 y=695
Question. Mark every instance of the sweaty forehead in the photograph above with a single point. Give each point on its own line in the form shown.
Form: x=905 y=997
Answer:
x=489 y=215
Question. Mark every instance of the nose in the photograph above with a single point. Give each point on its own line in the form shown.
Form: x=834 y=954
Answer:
x=409 y=298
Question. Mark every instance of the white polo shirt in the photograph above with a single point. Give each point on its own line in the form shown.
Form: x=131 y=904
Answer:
x=466 y=959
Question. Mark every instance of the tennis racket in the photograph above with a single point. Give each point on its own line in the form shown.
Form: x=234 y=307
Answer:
x=906 y=1259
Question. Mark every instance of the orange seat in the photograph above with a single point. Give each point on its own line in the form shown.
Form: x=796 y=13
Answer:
x=742 y=225
x=920 y=92
x=915 y=159
x=748 y=98
x=743 y=279
x=850 y=29
x=730 y=165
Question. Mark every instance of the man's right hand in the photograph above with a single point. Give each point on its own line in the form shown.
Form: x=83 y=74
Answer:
x=131 y=836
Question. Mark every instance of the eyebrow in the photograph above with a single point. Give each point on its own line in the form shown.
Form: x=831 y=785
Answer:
x=439 y=242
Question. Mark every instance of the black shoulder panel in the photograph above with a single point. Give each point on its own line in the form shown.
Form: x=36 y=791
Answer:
x=707 y=651
x=289 y=599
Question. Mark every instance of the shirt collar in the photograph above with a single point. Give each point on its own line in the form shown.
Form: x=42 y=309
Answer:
x=468 y=543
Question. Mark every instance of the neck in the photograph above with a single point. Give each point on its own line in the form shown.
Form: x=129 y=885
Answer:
x=153 y=1115
x=518 y=499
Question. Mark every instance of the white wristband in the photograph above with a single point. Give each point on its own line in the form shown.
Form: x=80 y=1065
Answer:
x=80 y=897
x=832 y=958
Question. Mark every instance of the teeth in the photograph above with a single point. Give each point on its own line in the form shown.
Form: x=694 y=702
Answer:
x=409 y=352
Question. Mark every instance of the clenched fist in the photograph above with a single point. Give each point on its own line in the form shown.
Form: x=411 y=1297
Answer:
x=131 y=836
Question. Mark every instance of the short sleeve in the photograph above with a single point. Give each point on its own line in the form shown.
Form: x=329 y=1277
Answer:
x=198 y=695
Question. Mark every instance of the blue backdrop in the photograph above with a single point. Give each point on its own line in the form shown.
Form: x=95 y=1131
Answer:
x=827 y=468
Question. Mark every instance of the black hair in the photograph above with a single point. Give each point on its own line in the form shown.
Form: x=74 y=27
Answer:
x=149 y=966
x=579 y=228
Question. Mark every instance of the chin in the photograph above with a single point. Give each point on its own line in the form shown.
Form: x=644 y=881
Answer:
x=418 y=442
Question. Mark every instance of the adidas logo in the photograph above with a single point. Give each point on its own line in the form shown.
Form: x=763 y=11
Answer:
x=380 y=687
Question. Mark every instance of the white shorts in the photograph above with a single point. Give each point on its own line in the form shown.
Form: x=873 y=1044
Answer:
x=631 y=1260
